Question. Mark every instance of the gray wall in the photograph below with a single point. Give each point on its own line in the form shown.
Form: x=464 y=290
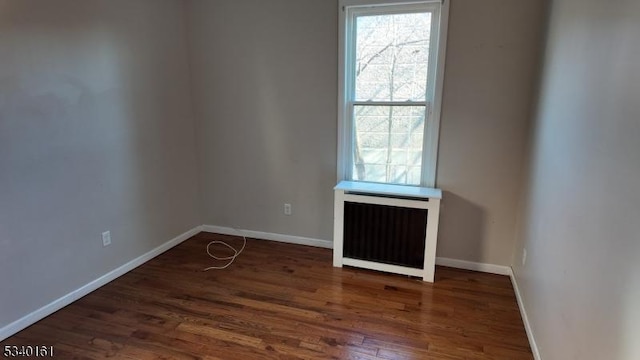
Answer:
x=96 y=133
x=492 y=59
x=265 y=86
x=97 y=130
x=581 y=225
x=265 y=82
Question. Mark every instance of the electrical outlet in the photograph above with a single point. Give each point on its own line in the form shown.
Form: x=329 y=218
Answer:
x=524 y=256
x=106 y=238
x=287 y=209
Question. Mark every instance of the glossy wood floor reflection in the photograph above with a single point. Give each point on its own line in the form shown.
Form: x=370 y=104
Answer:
x=283 y=301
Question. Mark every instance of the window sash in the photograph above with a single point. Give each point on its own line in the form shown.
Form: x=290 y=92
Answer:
x=387 y=136
x=349 y=11
x=389 y=103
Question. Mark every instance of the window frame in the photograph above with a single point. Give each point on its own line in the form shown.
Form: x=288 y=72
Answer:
x=348 y=10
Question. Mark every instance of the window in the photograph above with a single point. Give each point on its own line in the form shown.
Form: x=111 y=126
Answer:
x=391 y=66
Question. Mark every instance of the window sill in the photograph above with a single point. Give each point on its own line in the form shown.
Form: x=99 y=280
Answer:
x=404 y=191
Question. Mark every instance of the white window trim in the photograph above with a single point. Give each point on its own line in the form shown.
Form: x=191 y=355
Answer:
x=430 y=154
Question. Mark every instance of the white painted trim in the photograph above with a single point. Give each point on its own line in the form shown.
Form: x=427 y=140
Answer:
x=394 y=190
x=500 y=270
x=338 y=227
x=347 y=9
x=525 y=318
x=327 y=244
x=67 y=299
x=431 y=232
x=344 y=125
x=475 y=266
x=382 y=267
x=269 y=236
x=385 y=2
x=431 y=153
x=387 y=201
x=431 y=240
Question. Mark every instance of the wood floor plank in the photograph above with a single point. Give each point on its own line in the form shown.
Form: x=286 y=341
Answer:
x=283 y=301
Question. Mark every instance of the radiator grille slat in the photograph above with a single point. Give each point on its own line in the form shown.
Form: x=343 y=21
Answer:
x=385 y=234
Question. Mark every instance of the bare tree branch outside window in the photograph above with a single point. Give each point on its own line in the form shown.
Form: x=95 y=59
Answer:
x=391 y=66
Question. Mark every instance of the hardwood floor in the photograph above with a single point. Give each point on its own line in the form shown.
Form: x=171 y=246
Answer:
x=283 y=301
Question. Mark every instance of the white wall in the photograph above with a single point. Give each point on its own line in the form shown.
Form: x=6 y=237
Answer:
x=580 y=223
x=96 y=133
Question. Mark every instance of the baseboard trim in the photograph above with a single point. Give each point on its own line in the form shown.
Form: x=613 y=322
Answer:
x=67 y=299
x=442 y=261
x=475 y=266
x=525 y=318
x=327 y=244
x=500 y=270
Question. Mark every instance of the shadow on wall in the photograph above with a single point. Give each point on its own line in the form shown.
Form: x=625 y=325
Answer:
x=462 y=228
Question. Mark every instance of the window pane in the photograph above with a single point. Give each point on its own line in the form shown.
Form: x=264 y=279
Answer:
x=392 y=52
x=388 y=143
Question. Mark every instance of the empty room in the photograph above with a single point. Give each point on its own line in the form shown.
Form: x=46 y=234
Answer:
x=320 y=179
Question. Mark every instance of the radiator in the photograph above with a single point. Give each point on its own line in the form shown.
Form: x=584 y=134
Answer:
x=386 y=234
x=386 y=227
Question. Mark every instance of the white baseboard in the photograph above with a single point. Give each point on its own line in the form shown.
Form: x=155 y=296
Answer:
x=475 y=266
x=67 y=299
x=454 y=263
x=500 y=270
x=525 y=319
x=269 y=236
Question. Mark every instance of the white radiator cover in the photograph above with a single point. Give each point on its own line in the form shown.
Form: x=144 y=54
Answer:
x=388 y=195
